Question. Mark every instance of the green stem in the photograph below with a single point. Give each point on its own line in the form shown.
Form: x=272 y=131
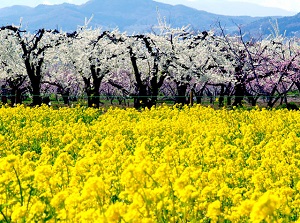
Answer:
x=4 y=216
x=19 y=182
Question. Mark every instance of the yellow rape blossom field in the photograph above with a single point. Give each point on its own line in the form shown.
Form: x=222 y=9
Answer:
x=166 y=164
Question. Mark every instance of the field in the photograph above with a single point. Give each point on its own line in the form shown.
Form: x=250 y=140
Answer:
x=166 y=164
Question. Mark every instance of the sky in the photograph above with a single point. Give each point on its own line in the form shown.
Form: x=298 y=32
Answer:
x=290 y=5
x=33 y=3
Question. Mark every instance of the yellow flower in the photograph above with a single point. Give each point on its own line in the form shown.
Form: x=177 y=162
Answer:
x=67 y=138
x=19 y=213
x=59 y=199
x=165 y=163
x=214 y=210
x=2 y=138
x=264 y=207
x=115 y=212
x=298 y=186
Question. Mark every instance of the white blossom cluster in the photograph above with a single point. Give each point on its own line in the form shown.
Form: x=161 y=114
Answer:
x=173 y=60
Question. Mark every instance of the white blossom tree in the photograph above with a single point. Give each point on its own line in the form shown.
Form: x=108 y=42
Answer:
x=29 y=54
x=94 y=55
x=13 y=73
x=143 y=66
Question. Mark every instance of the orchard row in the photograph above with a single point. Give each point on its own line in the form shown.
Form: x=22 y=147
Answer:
x=168 y=62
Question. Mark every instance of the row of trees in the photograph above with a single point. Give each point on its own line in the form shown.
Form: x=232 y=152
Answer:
x=170 y=62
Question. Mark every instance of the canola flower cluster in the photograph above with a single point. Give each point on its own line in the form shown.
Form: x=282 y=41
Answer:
x=166 y=164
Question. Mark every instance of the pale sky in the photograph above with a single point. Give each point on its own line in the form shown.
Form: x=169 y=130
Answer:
x=290 y=5
x=5 y=3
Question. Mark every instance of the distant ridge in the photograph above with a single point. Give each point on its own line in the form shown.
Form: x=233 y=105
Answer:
x=137 y=16
x=288 y=26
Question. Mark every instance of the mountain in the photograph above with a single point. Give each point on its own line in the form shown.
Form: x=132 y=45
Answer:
x=131 y=15
x=289 y=26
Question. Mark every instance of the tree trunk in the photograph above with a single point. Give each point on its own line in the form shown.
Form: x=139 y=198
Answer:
x=88 y=90
x=180 y=98
x=97 y=80
x=36 y=91
x=239 y=95
x=154 y=91
x=66 y=96
x=221 y=98
x=155 y=84
x=199 y=94
x=140 y=98
x=228 y=93
x=34 y=74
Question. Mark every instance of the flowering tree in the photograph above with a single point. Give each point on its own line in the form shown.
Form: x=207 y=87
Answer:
x=29 y=54
x=149 y=68
x=194 y=60
x=279 y=67
x=258 y=68
x=177 y=48
x=12 y=72
x=169 y=61
x=64 y=81
x=93 y=54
